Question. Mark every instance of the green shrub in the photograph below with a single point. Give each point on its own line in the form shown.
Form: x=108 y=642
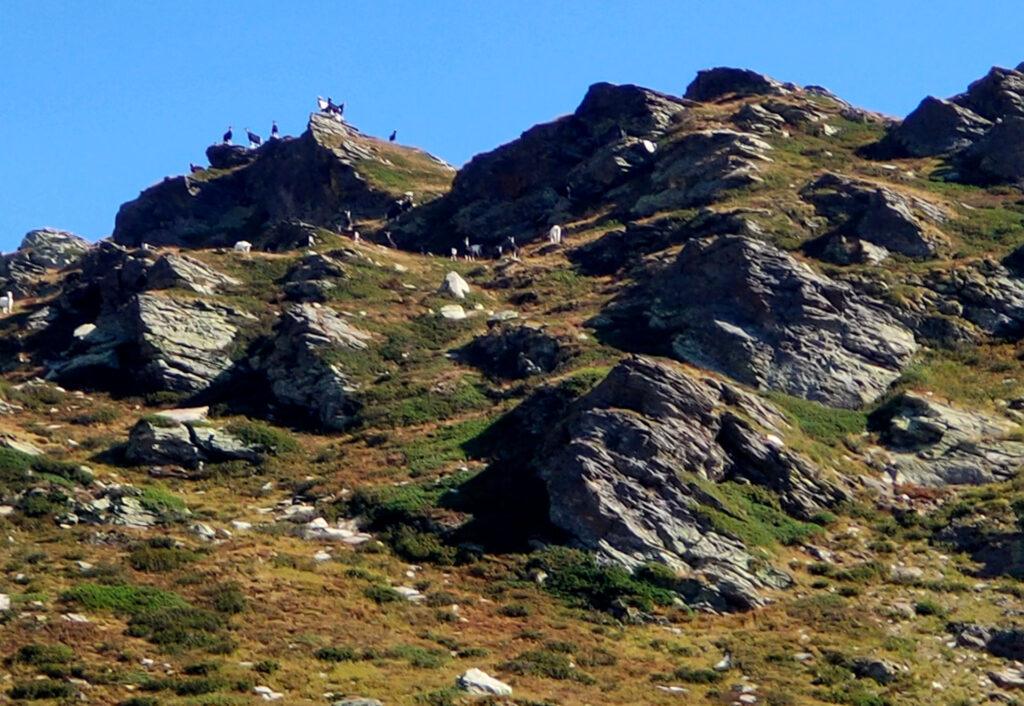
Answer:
x=158 y=499
x=100 y=415
x=381 y=594
x=696 y=676
x=42 y=689
x=125 y=599
x=544 y=663
x=227 y=598
x=156 y=559
x=929 y=607
x=181 y=626
x=829 y=425
x=515 y=610
x=419 y=547
x=44 y=654
x=578 y=578
x=272 y=440
x=266 y=666
x=42 y=504
x=336 y=654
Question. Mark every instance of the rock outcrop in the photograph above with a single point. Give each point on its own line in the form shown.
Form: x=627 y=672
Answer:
x=313 y=278
x=155 y=342
x=935 y=444
x=626 y=475
x=877 y=215
x=723 y=81
x=40 y=250
x=188 y=444
x=937 y=127
x=329 y=169
x=302 y=369
x=744 y=308
x=510 y=350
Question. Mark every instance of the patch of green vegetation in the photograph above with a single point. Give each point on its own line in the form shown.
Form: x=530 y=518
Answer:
x=180 y=627
x=148 y=557
x=100 y=415
x=273 y=440
x=420 y=403
x=389 y=506
x=582 y=381
x=419 y=547
x=36 y=654
x=158 y=499
x=42 y=689
x=828 y=425
x=382 y=594
x=576 y=577
x=408 y=171
x=17 y=469
x=337 y=654
x=125 y=599
x=444 y=445
x=982 y=229
x=228 y=598
x=753 y=515
x=547 y=664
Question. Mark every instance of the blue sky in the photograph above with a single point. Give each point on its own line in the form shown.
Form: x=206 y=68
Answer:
x=100 y=99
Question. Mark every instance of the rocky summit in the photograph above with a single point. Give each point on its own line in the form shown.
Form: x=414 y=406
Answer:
x=709 y=394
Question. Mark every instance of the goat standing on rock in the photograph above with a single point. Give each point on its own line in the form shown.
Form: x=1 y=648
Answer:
x=243 y=246
x=7 y=303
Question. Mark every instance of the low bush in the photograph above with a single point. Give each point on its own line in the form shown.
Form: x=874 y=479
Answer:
x=42 y=689
x=544 y=663
x=272 y=440
x=578 y=578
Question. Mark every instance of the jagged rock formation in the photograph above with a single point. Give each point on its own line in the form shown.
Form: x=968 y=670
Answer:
x=40 y=250
x=299 y=365
x=876 y=215
x=746 y=309
x=330 y=168
x=156 y=342
x=623 y=475
x=520 y=189
x=979 y=130
x=935 y=444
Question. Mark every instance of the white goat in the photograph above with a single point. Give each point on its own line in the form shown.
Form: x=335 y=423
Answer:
x=7 y=303
x=243 y=246
x=555 y=235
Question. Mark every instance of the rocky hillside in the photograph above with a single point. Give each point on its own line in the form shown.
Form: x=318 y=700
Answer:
x=749 y=432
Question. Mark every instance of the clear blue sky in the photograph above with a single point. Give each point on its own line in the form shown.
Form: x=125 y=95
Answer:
x=101 y=98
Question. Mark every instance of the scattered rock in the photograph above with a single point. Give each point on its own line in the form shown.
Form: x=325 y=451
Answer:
x=475 y=681
x=453 y=312
x=454 y=286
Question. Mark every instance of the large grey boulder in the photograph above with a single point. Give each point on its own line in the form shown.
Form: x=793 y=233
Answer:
x=986 y=293
x=935 y=444
x=313 y=278
x=997 y=95
x=624 y=475
x=510 y=350
x=875 y=214
x=477 y=682
x=187 y=444
x=173 y=271
x=23 y=271
x=745 y=308
x=156 y=342
x=300 y=365
x=996 y=157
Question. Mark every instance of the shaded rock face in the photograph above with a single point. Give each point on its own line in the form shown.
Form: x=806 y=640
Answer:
x=936 y=127
x=997 y=157
x=313 y=178
x=529 y=184
x=186 y=444
x=746 y=309
x=40 y=250
x=723 y=81
x=156 y=343
x=933 y=444
x=301 y=376
x=517 y=351
x=876 y=215
x=979 y=130
x=622 y=475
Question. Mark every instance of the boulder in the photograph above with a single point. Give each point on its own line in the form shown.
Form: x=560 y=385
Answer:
x=156 y=342
x=517 y=351
x=985 y=293
x=880 y=671
x=453 y=312
x=477 y=682
x=313 y=178
x=187 y=444
x=299 y=365
x=22 y=272
x=744 y=308
x=936 y=127
x=875 y=214
x=934 y=444
x=754 y=117
x=173 y=271
x=312 y=278
x=626 y=472
x=454 y=286
x=724 y=81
